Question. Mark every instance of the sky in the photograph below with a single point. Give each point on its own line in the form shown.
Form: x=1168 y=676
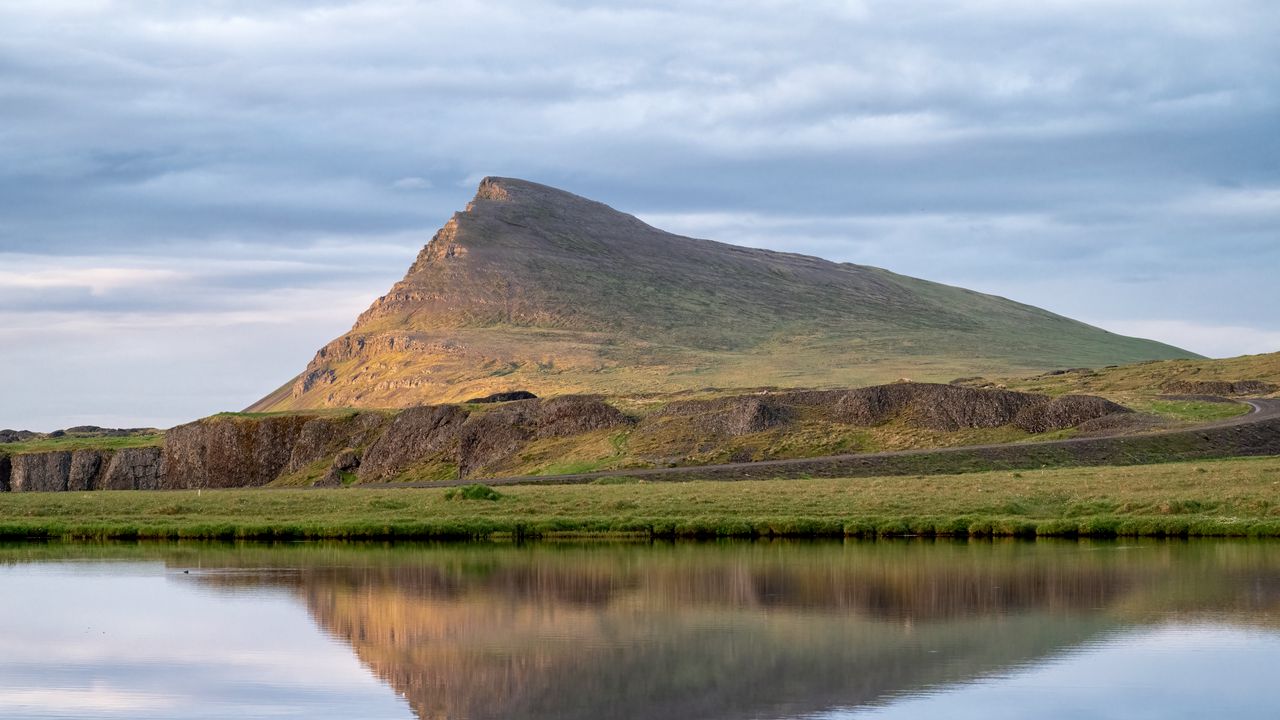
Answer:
x=196 y=196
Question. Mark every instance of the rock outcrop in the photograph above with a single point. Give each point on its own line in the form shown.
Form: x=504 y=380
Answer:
x=86 y=469
x=230 y=451
x=41 y=472
x=946 y=408
x=135 y=469
x=323 y=437
x=13 y=436
x=1219 y=387
x=414 y=435
x=574 y=414
x=80 y=470
x=1066 y=412
x=734 y=416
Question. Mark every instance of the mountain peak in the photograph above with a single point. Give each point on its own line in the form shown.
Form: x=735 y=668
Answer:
x=495 y=188
x=536 y=288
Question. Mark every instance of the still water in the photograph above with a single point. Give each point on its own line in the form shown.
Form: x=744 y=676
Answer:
x=737 y=630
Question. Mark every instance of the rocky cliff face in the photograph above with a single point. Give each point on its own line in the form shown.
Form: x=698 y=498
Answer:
x=222 y=452
x=126 y=469
x=135 y=469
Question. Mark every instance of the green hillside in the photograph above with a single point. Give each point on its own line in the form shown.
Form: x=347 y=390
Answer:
x=534 y=288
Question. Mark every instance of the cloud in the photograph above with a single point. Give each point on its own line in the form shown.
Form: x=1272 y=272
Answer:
x=412 y=183
x=97 y=281
x=1211 y=340
x=174 y=163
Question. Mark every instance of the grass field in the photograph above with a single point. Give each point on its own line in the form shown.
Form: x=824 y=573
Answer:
x=1220 y=498
x=70 y=442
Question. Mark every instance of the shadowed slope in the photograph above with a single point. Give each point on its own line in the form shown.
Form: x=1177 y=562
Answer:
x=536 y=288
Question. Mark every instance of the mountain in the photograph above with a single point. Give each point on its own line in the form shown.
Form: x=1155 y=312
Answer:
x=535 y=288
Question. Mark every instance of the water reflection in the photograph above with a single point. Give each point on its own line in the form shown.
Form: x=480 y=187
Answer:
x=735 y=630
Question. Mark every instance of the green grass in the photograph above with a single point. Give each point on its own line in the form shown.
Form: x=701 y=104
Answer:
x=1196 y=410
x=1220 y=498
x=472 y=492
x=1146 y=378
x=79 y=443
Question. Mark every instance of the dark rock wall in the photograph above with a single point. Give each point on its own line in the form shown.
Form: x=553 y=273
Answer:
x=86 y=469
x=134 y=469
x=414 y=434
x=222 y=452
x=128 y=469
x=40 y=472
x=324 y=437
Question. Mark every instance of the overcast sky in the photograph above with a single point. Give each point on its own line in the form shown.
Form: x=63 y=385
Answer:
x=195 y=196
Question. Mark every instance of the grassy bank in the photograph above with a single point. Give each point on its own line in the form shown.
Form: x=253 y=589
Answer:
x=1219 y=498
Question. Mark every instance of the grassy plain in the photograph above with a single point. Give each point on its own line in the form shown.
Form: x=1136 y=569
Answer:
x=1238 y=497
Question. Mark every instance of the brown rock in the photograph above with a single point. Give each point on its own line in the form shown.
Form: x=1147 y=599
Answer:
x=347 y=461
x=220 y=452
x=576 y=414
x=741 y=415
x=1065 y=412
x=497 y=434
x=412 y=436
x=134 y=469
x=937 y=407
x=488 y=438
x=40 y=472
x=324 y=436
x=86 y=469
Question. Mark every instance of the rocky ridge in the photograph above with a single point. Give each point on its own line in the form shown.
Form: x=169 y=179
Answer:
x=467 y=441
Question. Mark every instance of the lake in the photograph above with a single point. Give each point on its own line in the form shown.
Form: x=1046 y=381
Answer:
x=891 y=629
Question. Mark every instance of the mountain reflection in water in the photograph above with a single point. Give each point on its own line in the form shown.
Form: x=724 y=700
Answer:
x=733 y=630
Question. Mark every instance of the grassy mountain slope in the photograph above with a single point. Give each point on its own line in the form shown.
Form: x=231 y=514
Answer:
x=535 y=288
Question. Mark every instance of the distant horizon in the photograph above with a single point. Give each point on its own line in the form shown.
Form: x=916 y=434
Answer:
x=198 y=196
